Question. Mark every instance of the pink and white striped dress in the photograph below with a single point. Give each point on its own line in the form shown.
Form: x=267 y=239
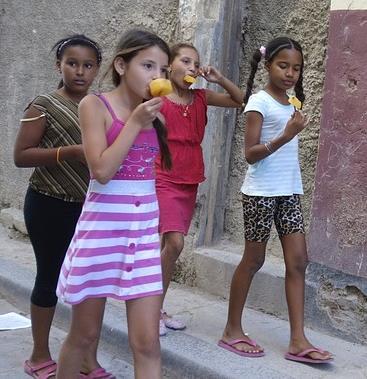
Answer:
x=115 y=251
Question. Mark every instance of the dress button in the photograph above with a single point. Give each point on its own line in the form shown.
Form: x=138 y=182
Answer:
x=137 y=203
x=128 y=269
x=132 y=246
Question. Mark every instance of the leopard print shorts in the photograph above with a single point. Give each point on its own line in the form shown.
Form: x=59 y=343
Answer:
x=259 y=213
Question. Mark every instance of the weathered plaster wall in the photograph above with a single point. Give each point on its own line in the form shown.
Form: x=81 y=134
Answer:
x=307 y=23
x=339 y=218
x=28 y=29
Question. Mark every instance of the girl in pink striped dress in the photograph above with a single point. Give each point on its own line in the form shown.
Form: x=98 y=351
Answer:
x=115 y=250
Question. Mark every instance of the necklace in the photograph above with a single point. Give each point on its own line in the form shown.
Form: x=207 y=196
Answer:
x=186 y=110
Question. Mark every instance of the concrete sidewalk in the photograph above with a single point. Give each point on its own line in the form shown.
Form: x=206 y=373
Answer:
x=193 y=353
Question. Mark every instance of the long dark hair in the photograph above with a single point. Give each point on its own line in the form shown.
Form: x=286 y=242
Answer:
x=271 y=51
x=76 y=40
x=128 y=47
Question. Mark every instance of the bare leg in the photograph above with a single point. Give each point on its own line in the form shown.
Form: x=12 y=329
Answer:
x=251 y=262
x=84 y=331
x=295 y=256
x=172 y=245
x=41 y=324
x=143 y=319
x=90 y=361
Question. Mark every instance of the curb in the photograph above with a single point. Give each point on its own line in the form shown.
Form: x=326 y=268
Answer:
x=183 y=356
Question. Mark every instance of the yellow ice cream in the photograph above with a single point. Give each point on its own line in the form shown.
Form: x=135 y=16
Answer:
x=160 y=87
x=189 y=79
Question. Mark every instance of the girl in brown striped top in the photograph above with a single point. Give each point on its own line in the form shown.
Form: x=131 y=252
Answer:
x=49 y=139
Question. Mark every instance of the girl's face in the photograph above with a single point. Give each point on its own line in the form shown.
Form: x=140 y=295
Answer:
x=186 y=62
x=285 y=69
x=78 y=67
x=147 y=64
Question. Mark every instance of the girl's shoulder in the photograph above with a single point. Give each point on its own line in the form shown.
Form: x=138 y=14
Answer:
x=199 y=95
x=257 y=102
x=261 y=95
x=53 y=101
x=42 y=99
x=95 y=101
x=41 y=102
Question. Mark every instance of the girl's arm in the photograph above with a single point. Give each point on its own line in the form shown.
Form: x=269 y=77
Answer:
x=234 y=96
x=27 y=152
x=254 y=151
x=104 y=160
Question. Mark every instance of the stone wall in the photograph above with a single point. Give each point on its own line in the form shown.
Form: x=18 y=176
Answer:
x=28 y=30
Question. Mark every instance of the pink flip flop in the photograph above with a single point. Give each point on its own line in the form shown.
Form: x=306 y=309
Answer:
x=97 y=373
x=304 y=356
x=43 y=370
x=229 y=346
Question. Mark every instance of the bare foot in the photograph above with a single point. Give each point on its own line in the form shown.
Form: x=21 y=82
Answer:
x=246 y=345
x=297 y=347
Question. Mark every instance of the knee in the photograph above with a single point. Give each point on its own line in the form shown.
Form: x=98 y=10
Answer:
x=145 y=344
x=43 y=296
x=84 y=338
x=253 y=265
x=174 y=244
x=298 y=265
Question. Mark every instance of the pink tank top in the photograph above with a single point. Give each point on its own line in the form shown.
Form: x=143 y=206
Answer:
x=139 y=162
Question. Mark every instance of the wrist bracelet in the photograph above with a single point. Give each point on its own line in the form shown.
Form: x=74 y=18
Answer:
x=58 y=155
x=269 y=147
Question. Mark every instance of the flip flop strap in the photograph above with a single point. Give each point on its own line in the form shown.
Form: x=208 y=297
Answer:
x=241 y=340
x=99 y=373
x=41 y=366
x=48 y=372
x=308 y=351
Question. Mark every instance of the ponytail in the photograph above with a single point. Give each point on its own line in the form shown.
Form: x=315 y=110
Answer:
x=256 y=58
x=166 y=160
x=298 y=88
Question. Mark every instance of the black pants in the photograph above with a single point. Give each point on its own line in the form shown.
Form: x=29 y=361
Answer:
x=50 y=223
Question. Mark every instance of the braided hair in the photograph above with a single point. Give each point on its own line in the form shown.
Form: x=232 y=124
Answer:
x=272 y=49
x=76 y=40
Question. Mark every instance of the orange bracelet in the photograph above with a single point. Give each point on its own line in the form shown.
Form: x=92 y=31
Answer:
x=58 y=155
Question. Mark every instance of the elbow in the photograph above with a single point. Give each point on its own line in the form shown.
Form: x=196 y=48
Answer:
x=101 y=176
x=18 y=161
x=249 y=159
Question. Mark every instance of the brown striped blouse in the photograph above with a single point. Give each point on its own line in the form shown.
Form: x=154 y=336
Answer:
x=68 y=180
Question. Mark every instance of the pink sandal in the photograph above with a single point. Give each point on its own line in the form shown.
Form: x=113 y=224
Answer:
x=43 y=370
x=230 y=347
x=305 y=357
x=98 y=373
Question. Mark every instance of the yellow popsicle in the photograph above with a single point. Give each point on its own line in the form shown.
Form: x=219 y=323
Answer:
x=295 y=102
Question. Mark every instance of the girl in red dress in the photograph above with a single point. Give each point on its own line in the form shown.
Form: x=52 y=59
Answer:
x=185 y=112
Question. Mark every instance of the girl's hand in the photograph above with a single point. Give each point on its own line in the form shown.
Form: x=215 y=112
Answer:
x=145 y=113
x=210 y=74
x=295 y=125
